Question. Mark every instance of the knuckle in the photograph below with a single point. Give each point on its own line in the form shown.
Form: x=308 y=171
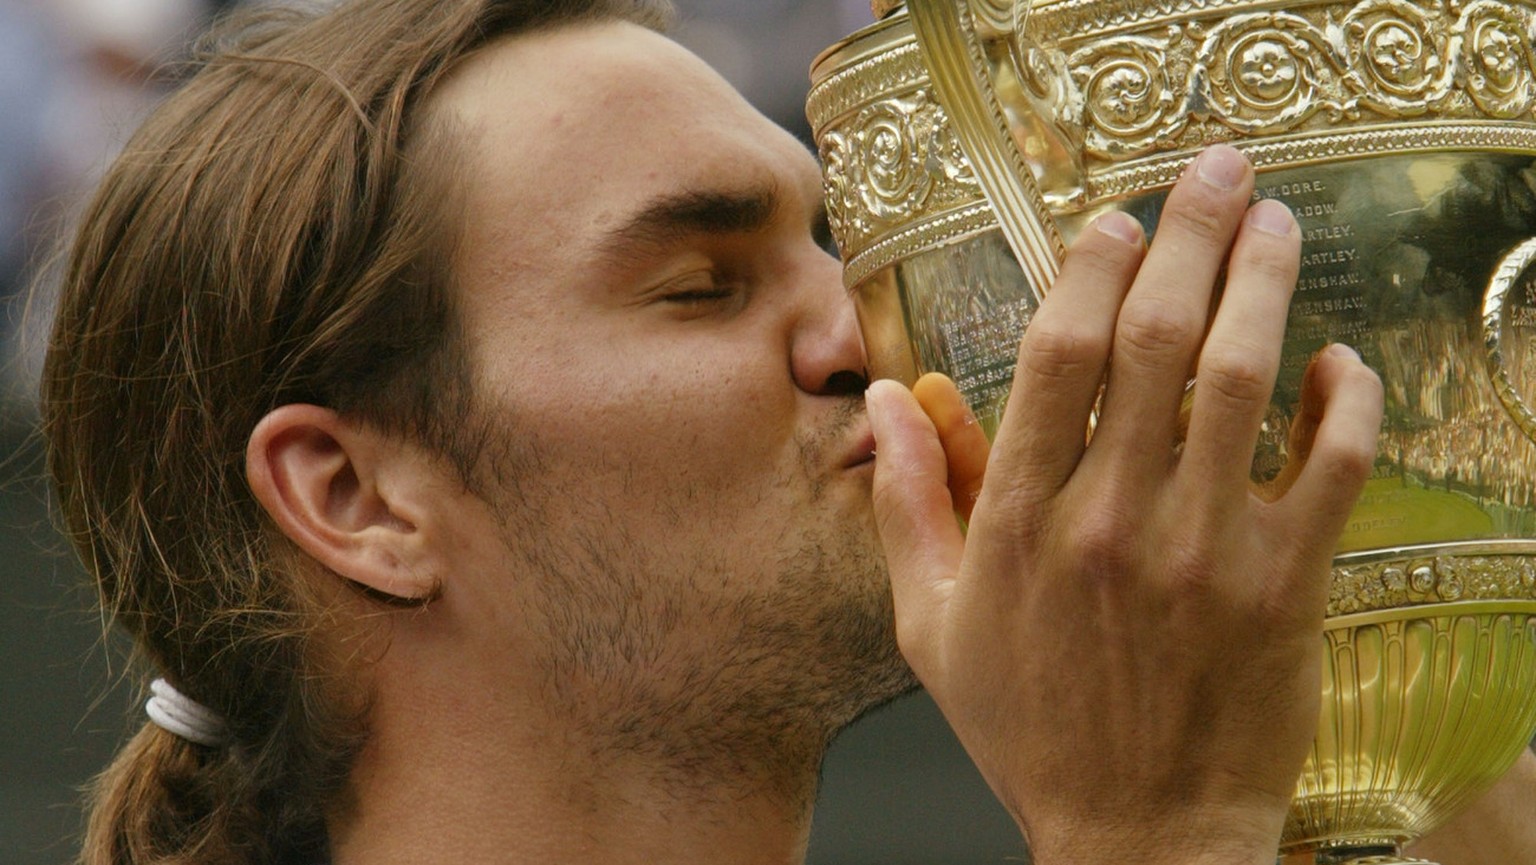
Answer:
x=1201 y=219
x=1235 y=375
x=1346 y=464
x=1273 y=260
x=1018 y=513
x=1283 y=605
x=1103 y=545
x=1151 y=328
x=1100 y=258
x=1053 y=351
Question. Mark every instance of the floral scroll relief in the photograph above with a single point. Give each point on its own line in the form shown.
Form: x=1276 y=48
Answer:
x=1441 y=579
x=1496 y=48
x=1399 y=56
x=836 y=185
x=1128 y=96
x=1268 y=72
x=1214 y=76
x=897 y=160
x=890 y=178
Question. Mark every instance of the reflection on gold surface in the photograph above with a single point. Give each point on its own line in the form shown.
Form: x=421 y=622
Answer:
x=1422 y=709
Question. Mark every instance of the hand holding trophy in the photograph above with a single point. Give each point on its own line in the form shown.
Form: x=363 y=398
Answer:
x=1401 y=135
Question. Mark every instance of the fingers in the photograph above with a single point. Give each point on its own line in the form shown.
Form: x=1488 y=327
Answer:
x=1241 y=356
x=1063 y=357
x=1163 y=320
x=922 y=541
x=1299 y=437
x=965 y=444
x=1342 y=399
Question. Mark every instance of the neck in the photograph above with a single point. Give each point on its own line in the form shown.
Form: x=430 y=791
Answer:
x=481 y=776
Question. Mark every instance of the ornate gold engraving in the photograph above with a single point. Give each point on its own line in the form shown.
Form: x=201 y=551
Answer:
x=1212 y=75
x=894 y=176
x=846 y=89
x=1431 y=580
x=893 y=162
x=1281 y=152
x=1137 y=89
x=927 y=234
x=1128 y=96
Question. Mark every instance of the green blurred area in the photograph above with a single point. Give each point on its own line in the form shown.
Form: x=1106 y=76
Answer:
x=1393 y=513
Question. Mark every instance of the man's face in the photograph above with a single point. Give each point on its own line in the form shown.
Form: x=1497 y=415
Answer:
x=679 y=537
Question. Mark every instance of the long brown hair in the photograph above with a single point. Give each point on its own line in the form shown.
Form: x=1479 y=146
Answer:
x=278 y=232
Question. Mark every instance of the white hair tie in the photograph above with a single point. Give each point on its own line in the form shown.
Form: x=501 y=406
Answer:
x=177 y=713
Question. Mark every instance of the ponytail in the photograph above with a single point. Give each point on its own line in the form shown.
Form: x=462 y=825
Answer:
x=166 y=800
x=158 y=802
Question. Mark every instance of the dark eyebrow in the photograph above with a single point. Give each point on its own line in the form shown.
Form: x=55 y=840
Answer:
x=673 y=217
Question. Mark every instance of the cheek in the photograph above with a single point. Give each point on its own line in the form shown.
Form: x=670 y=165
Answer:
x=646 y=413
x=653 y=435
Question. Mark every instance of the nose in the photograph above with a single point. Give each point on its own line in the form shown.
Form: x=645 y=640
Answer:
x=827 y=354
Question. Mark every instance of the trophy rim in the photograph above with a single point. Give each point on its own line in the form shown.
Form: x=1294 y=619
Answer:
x=822 y=65
x=1469 y=548
x=1430 y=611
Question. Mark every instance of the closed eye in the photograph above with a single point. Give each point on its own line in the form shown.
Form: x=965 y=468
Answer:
x=702 y=294
x=699 y=296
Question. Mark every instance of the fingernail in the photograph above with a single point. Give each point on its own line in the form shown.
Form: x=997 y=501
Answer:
x=1221 y=166
x=1339 y=349
x=1272 y=217
x=1120 y=226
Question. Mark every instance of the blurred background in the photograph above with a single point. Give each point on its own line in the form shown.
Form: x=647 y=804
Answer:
x=75 y=77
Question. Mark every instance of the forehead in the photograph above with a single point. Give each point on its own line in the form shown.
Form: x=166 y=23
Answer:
x=571 y=131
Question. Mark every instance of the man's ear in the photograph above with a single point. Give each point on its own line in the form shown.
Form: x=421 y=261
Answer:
x=345 y=495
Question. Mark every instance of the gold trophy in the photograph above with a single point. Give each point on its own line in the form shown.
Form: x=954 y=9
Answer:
x=961 y=140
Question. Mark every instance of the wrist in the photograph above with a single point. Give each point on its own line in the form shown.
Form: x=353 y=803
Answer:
x=1170 y=842
x=1165 y=855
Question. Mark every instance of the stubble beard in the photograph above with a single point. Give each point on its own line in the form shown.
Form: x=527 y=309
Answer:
x=750 y=710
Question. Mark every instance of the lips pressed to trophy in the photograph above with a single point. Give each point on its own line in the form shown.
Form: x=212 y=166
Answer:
x=963 y=139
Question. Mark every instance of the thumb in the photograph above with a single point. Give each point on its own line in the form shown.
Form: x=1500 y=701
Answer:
x=923 y=542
